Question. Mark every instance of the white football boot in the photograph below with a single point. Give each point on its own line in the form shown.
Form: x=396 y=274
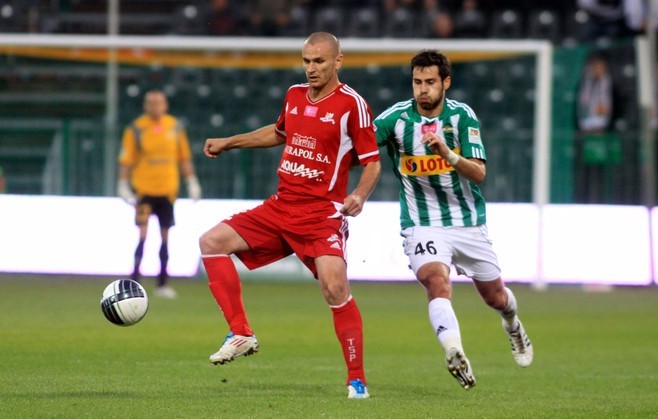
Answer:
x=233 y=347
x=460 y=368
x=521 y=346
x=165 y=291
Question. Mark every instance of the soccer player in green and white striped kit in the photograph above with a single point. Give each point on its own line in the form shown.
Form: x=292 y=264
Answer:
x=439 y=159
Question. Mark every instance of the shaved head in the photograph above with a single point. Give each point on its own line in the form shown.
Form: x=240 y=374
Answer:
x=322 y=59
x=321 y=37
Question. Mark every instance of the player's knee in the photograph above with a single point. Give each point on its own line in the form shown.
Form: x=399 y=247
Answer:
x=436 y=282
x=335 y=291
x=213 y=242
x=207 y=244
x=336 y=294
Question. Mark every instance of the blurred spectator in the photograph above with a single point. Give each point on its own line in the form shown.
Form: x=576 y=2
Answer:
x=270 y=17
x=598 y=146
x=413 y=5
x=428 y=21
x=595 y=96
x=225 y=18
x=637 y=13
x=605 y=19
x=469 y=20
x=2 y=181
x=442 y=26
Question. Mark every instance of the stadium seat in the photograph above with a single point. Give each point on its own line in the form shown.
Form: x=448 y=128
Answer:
x=365 y=23
x=12 y=16
x=401 y=23
x=575 y=26
x=544 y=24
x=330 y=19
x=470 y=24
x=154 y=77
x=506 y=24
x=188 y=19
x=299 y=23
x=187 y=78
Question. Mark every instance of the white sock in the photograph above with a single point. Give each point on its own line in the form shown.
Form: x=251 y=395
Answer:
x=445 y=325
x=510 y=319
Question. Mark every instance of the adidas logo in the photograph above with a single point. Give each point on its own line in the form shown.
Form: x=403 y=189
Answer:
x=238 y=342
x=294 y=111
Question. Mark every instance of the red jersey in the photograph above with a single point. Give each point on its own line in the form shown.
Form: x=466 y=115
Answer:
x=322 y=138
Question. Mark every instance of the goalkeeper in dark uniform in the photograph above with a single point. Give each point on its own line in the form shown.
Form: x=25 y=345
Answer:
x=154 y=153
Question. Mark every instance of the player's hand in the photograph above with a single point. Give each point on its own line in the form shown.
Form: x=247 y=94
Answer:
x=436 y=143
x=352 y=206
x=125 y=192
x=193 y=188
x=215 y=146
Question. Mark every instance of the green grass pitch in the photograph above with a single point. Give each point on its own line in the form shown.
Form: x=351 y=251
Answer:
x=596 y=354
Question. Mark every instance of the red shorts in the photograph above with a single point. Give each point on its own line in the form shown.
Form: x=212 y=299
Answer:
x=276 y=229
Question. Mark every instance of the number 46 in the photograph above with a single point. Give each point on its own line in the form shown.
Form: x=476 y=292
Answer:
x=429 y=248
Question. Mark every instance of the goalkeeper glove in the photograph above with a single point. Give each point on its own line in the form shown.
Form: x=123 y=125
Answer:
x=193 y=188
x=125 y=192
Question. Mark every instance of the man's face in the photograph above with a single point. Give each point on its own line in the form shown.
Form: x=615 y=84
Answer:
x=155 y=105
x=598 y=68
x=429 y=90
x=321 y=63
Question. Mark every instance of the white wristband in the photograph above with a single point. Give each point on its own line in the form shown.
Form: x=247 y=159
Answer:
x=453 y=158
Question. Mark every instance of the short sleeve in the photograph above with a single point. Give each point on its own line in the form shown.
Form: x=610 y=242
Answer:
x=471 y=139
x=382 y=131
x=128 y=153
x=363 y=134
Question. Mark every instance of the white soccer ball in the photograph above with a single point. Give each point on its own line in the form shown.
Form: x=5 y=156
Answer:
x=124 y=302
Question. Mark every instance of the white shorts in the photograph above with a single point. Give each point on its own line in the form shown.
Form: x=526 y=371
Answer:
x=468 y=248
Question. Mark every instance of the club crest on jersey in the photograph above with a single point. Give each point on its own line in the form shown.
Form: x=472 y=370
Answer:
x=304 y=141
x=311 y=111
x=428 y=128
x=329 y=117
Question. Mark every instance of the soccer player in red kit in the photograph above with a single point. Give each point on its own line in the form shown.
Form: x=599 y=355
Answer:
x=325 y=127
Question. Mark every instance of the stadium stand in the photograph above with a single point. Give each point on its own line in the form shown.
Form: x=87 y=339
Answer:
x=506 y=24
x=365 y=23
x=331 y=19
x=46 y=96
x=544 y=24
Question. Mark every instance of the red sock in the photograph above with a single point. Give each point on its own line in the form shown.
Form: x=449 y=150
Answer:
x=349 y=330
x=225 y=286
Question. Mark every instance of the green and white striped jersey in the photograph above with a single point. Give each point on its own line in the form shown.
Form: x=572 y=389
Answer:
x=432 y=193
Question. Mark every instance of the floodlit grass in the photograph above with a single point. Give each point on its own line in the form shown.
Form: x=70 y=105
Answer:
x=596 y=354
